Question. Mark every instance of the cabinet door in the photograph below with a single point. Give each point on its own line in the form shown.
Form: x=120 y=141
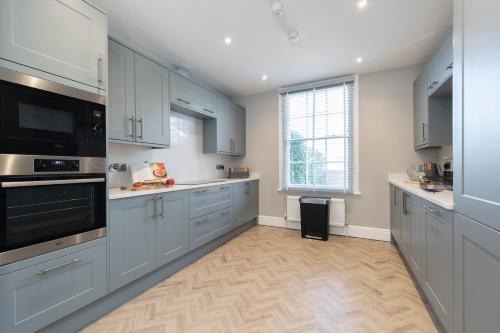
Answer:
x=438 y=269
x=420 y=110
x=121 y=101
x=38 y=295
x=224 y=126
x=416 y=253
x=211 y=226
x=210 y=199
x=132 y=239
x=441 y=66
x=173 y=226
x=476 y=116
x=152 y=102
x=246 y=202
x=395 y=213
x=238 y=129
x=189 y=95
x=477 y=276
x=66 y=38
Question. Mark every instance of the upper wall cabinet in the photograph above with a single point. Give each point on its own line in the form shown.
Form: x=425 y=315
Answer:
x=121 y=91
x=226 y=134
x=139 y=102
x=432 y=100
x=192 y=99
x=441 y=65
x=65 y=39
x=152 y=105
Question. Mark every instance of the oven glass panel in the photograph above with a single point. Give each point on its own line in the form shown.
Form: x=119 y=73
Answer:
x=45 y=119
x=42 y=213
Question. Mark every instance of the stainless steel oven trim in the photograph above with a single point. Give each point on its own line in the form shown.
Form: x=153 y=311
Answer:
x=50 y=86
x=22 y=165
x=50 y=246
x=52 y=182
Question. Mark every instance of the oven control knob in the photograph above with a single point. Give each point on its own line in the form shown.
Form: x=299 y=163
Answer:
x=76 y=165
x=98 y=129
x=42 y=165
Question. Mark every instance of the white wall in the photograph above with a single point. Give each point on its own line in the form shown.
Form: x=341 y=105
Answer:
x=184 y=159
x=385 y=144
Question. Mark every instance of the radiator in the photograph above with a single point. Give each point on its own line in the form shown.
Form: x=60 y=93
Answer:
x=337 y=210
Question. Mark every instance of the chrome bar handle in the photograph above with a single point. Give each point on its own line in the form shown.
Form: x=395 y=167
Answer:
x=100 y=69
x=52 y=182
x=48 y=270
x=132 y=119
x=208 y=110
x=162 y=206
x=202 y=221
x=142 y=128
x=183 y=101
x=154 y=216
x=423 y=132
x=450 y=66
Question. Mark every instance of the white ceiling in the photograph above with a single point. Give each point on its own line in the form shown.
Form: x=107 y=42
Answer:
x=190 y=33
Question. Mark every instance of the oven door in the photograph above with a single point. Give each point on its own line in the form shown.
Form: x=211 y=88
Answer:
x=34 y=121
x=40 y=214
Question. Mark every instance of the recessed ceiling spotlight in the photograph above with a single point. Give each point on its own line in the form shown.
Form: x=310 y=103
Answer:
x=264 y=77
x=359 y=60
x=294 y=37
x=362 y=4
x=227 y=40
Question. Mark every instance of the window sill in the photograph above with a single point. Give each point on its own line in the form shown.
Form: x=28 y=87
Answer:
x=333 y=192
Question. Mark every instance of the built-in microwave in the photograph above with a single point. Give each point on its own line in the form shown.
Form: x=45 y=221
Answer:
x=40 y=117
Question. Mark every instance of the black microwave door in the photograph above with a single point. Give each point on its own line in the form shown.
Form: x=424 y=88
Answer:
x=37 y=122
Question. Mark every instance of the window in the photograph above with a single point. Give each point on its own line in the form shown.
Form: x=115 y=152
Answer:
x=318 y=137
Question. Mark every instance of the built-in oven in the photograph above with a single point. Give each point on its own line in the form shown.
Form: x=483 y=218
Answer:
x=43 y=117
x=49 y=203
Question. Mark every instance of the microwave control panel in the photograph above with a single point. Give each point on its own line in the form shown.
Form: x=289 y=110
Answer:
x=98 y=123
x=46 y=165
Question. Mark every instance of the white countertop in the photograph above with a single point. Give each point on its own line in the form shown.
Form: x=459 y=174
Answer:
x=443 y=199
x=117 y=193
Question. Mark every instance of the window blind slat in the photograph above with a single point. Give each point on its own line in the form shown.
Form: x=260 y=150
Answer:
x=317 y=138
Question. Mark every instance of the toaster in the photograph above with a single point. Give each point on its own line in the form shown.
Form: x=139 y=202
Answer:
x=238 y=173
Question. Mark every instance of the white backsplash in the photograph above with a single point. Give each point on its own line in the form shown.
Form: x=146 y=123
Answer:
x=184 y=159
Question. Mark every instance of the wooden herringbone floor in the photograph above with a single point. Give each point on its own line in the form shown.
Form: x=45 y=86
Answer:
x=271 y=280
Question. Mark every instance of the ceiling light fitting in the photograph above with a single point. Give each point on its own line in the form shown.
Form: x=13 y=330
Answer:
x=227 y=40
x=359 y=60
x=362 y=4
x=294 y=37
x=277 y=8
x=264 y=77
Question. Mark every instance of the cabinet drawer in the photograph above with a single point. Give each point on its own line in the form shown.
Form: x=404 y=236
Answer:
x=210 y=199
x=209 y=227
x=38 y=295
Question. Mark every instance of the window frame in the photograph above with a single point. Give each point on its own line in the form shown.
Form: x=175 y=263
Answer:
x=355 y=136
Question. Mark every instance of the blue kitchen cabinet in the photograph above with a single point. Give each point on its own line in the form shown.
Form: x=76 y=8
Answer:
x=416 y=245
x=172 y=226
x=207 y=200
x=152 y=106
x=188 y=97
x=121 y=93
x=211 y=226
x=477 y=276
x=438 y=262
x=62 y=41
x=246 y=201
x=132 y=239
x=226 y=134
x=44 y=292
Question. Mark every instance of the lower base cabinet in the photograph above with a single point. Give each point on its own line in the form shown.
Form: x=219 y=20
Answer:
x=477 y=277
x=144 y=233
x=38 y=295
x=209 y=227
x=438 y=262
x=246 y=201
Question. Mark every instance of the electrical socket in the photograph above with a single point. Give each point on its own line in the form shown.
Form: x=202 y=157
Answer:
x=219 y=166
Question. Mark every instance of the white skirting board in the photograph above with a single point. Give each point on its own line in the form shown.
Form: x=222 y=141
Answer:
x=350 y=230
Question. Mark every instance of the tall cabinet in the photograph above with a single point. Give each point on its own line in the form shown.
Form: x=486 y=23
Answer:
x=476 y=188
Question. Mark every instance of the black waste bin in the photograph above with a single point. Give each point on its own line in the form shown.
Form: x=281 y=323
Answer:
x=314 y=217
